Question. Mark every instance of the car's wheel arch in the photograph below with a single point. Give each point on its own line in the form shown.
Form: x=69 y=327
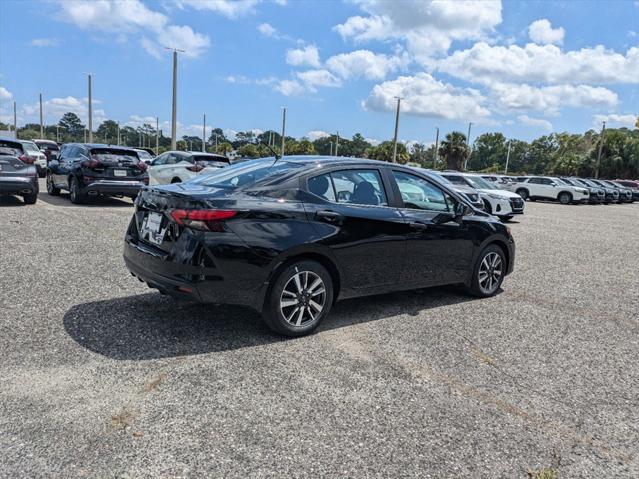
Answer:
x=492 y=240
x=569 y=193
x=321 y=255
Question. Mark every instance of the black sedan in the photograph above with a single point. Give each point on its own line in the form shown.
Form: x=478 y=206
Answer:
x=288 y=237
x=89 y=170
x=17 y=177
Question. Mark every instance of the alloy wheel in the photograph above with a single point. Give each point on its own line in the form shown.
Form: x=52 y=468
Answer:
x=303 y=298
x=490 y=273
x=49 y=184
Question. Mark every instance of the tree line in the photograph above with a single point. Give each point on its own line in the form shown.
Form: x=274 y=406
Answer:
x=552 y=154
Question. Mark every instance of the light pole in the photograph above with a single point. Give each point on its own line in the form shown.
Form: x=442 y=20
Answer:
x=469 y=147
x=118 y=133
x=396 y=130
x=336 y=142
x=283 y=129
x=41 y=119
x=90 y=110
x=15 y=121
x=507 y=158
x=601 y=143
x=331 y=146
x=204 y=135
x=436 y=149
x=157 y=136
x=174 y=110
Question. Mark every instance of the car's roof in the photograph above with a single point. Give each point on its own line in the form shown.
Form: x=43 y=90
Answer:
x=44 y=140
x=2 y=138
x=103 y=145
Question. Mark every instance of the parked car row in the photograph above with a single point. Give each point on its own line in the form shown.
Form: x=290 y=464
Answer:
x=568 y=190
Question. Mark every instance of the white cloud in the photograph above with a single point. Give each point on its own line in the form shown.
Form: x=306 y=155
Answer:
x=373 y=141
x=45 y=42
x=227 y=8
x=318 y=78
x=542 y=63
x=550 y=98
x=424 y=96
x=614 y=120
x=536 y=122
x=133 y=17
x=303 y=56
x=5 y=94
x=428 y=26
x=542 y=32
x=289 y=87
x=54 y=108
x=364 y=63
x=266 y=29
x=316 y=134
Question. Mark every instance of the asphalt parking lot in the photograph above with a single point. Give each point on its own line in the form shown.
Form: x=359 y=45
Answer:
x=102 y=377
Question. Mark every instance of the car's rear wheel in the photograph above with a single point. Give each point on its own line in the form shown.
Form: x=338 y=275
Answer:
x=489 y=272
x=299 y=299
x=30 y=199
x=565 y=198
x=74 y=192
x=51 y=189
x=523 y=193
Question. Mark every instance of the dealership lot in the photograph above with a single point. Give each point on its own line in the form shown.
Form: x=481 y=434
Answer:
x=102 y=377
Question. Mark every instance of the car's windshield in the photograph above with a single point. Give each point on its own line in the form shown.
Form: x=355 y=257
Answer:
x=479 y=183
x=30 y=146
x=247 y=173
x=564 y=181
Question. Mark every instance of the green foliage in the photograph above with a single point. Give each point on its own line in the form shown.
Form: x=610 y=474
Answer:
x=72 y=126
x=454 y=150
x=384 y=152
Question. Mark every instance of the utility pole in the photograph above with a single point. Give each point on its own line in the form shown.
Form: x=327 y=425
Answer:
x=331 y=150
x=157 y=135
x=204 y=135
x=15 y=121
x=174 y=110
x=469 y=147
x=41 y=119
x=216 y=143
x=336 y=142
x=396 y=130
x=118 y=133
x=436 y=149
x=85 y=135
x=601 y=143
x=90 y=111
x=57 y=133
x=507 y=158
x=140 y=138
x=283 y=129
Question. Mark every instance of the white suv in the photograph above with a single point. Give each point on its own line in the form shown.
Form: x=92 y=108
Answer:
x=550 y=188
x=501 y=203
x=180 y=166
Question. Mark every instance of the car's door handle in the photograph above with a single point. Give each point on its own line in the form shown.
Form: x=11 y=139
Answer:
x=418 y=225
x=328 y=215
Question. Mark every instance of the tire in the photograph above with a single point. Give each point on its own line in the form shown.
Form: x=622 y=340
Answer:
x=176 y=180
x=76 y=197
x=523 y=192
x=565 y=198
x=30 y=199
x=51 y=189
x=479 y=287
x=286 y=294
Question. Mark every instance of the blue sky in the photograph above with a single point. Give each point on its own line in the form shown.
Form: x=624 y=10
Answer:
x=523 y=68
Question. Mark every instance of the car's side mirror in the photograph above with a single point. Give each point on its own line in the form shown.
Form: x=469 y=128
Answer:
x=460 y=209
x=553 y=184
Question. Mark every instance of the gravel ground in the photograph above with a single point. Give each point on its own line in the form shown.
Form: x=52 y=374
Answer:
x=102 y=377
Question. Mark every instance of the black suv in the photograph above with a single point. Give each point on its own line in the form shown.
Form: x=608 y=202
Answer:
x=90 y=170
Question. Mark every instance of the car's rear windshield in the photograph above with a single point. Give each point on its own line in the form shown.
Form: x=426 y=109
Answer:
x=45 y=145
x=144 y=155
x=106 y=155
x=248 y=173
x=211 y=159
x=30 y=146
x=10 y=148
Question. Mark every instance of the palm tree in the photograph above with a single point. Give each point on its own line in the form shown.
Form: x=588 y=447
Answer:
x=454 y=149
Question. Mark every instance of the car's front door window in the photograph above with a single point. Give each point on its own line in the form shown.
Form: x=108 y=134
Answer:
x=419 y=194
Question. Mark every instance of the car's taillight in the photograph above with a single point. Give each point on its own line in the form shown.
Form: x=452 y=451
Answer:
x=142 y=166
x=92 y=163
x=195 y=168
x=29 y=160
x=205 y=220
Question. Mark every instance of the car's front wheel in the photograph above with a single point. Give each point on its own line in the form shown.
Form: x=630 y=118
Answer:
x=74 y=192
x=51 y=189
x=30 y=199
x=565 y=198
x=523 y=193
x=300 y=297
x=489 y=272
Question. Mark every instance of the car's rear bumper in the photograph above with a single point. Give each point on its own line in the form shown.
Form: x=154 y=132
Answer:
x=18 y=186
x=113 y=188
